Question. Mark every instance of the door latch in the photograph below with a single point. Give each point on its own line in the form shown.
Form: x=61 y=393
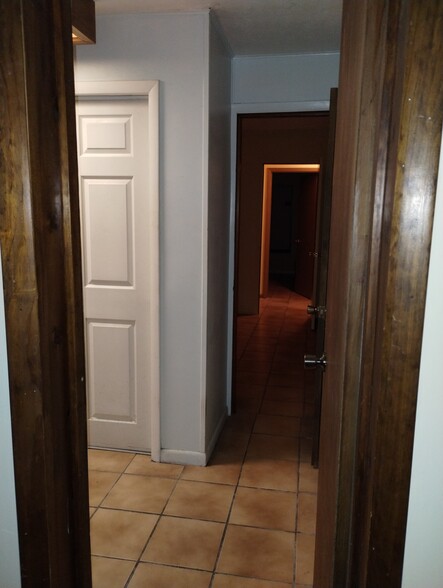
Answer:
x=319 y=311
x=312 y=361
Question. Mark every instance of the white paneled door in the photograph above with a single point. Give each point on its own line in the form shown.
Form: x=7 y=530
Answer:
x=113 y=151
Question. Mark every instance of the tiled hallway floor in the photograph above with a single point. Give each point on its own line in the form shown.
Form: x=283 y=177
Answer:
x=247 y=520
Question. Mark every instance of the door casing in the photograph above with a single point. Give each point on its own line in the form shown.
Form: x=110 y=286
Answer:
x=150 y=90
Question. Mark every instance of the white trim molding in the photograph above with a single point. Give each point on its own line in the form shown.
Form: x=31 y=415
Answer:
x=150 y=90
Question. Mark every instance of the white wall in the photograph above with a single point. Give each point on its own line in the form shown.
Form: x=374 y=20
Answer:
x=171 y=48
x=9 y=554
x=284 y=80
x=218 y=233
x=423 y=565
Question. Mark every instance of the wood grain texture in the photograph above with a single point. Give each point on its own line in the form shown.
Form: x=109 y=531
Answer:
x=388 y=138
x=44 y=356
x=406 y=230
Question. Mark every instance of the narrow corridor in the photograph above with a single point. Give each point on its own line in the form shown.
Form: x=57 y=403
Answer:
x=247 y=520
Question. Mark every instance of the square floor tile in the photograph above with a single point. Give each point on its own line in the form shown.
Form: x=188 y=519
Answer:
x=292 y=409
x=268 y=509
x=308 y=478
x=225 y=581
x=184 y=542
x=144 y=466
x=232 y=443
x=305 y=449
x=304 y=559
x=157 y=576
x=198 y=500
x=110 y=573
x=282 y=394
x=273 y=447
x=257 y=553
x=306 y=513
x=270 y=474
x=109 y=461
x=140 y=493
x=268 y=424
x=100 y=483
x=120 y=534
x=223 y=469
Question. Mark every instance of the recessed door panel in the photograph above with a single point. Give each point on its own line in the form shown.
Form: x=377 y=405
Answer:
x=108 y=231
x=105 y=135
x=111 y=349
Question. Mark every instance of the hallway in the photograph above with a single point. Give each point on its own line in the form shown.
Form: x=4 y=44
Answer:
x=247 y=520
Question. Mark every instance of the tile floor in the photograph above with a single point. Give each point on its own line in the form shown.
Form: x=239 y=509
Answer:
x=248 y=519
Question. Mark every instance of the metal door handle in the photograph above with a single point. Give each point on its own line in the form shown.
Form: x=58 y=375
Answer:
x=312 y=361
x=319 y=311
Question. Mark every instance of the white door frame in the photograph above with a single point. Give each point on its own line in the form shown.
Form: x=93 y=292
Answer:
x=150 y=90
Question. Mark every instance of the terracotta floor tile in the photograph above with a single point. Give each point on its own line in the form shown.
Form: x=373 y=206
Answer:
x=268 y=509
x=142 y=465
x=140 y=493
x=291 y=409
x=308 y=481
x=305 y=449
x=268 y=424
x=282 y=379
x=109 y=461
x=273 y=447
x=100 y=483
x=225 y=581
x=253 y=365
x=269 y=474
x=120 y=534
x=198 y=500
x=184 y=542
x=306 y=513
x=157 y=576
x=304 y=559
x=223 y=469
x=282 y=394
x=240 y=423
x=110 y=573
x=245 y=379
x=232 y=443
x=247 y=405
x=257 y=553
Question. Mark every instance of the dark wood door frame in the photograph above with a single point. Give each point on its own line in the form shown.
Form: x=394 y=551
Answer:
x=39 y=231
x=389 y=120
x=401 y=91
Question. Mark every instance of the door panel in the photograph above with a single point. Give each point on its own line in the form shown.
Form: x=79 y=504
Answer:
x=113 y=155
x=319 y=296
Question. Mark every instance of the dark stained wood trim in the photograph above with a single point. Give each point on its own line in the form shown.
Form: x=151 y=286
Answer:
x=40 y=256
x=410 y=171
x=83 y=21
x=388 y=140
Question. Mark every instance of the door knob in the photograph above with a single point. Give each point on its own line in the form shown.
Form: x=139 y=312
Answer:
x=312 y=361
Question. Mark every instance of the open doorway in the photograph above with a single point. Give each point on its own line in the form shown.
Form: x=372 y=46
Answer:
x=271 y=323
x=289 y=221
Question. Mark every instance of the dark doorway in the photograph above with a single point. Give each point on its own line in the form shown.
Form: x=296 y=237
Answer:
x=292 y=250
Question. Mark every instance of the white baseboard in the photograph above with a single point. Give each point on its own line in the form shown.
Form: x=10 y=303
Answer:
x=183 y=457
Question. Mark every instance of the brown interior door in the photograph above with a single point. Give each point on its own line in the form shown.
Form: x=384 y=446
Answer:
x=305 y=255
x=319 y=295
